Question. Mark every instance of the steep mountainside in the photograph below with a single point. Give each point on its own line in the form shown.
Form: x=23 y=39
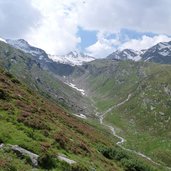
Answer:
x=145 y=119
x=41 y=57
x=42 y=127
x=26 y=68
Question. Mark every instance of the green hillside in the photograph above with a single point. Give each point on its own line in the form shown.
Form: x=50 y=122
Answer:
x=38 y=118
x=39 y=125
x=144 y=120
x=42 y=127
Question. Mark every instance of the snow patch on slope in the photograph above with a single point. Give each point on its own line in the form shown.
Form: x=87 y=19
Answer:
x=80 y=116
x=162 y=45
x=137 y=56
x=2 y=40
x=164 y=53
x=76 y=88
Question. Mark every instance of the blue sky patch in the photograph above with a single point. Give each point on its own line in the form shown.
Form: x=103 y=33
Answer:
x=126 y=34
x=87 y=38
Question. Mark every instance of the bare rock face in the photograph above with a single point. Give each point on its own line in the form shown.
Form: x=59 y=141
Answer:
x=1 y=145
x=65 y=159
x=23 y=152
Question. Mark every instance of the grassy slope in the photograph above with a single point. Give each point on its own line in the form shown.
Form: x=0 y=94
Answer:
x=38 y=125
x=107 y=81
x=145 y=119
x=41 y=126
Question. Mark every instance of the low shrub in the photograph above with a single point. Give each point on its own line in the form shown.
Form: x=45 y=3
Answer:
x=3 y=95
x=114 y=153
x=47 y=161
x=128 y=161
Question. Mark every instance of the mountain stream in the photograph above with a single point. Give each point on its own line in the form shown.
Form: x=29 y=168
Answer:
x=121 y=139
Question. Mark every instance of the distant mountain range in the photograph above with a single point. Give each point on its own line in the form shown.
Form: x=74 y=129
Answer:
x=72 y=58
x=160 y=53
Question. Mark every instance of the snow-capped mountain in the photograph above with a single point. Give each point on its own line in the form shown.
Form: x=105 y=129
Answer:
x=160 y=53
x=41 y=57
x=62 y=65
x=127 y=54
x=72 y=58
x=27 y=48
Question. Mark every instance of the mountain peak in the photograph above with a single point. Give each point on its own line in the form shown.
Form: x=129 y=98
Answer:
x=73 y=53
x=160 y=53
x=126 y=54
x=72 y=58
x=76 y=54
x=19 y=44
x=22 y=41
x=27 y=48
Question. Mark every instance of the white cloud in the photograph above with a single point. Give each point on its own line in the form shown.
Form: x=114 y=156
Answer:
x=103 y=46
x=53 y=24
x=57 y=33
x=140 y=15
x=145 y=42
x=99 y=50
x=17 y=18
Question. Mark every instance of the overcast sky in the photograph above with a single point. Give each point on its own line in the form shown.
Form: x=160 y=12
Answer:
x=93 y=26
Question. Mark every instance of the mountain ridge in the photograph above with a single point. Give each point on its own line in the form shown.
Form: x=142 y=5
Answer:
x=72 y=58
x=159 y=53
x=126 y=54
